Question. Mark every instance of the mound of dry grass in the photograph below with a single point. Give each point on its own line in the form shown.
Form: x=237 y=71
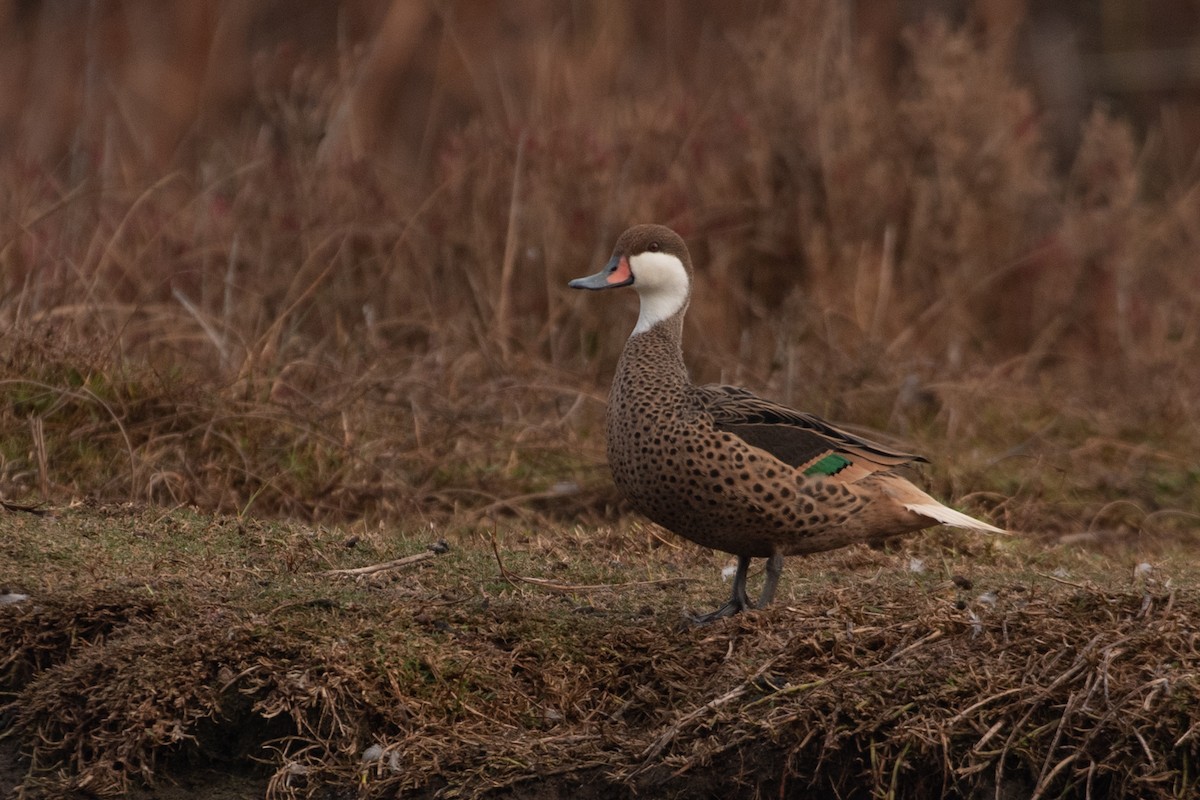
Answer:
x=156 y=642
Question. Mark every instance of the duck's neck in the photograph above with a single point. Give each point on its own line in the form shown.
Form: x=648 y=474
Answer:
x=657 y=353
x=662 y=302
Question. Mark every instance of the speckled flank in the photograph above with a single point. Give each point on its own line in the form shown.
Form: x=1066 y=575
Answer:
x=735 y=472
x=674 y=465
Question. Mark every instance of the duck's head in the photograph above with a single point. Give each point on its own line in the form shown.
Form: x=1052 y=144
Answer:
x=653 y=260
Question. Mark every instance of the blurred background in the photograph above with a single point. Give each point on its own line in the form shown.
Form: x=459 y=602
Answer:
x=148 y=83
x=312 y=256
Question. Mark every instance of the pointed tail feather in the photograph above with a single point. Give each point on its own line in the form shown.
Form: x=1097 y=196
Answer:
x=948 y=516
x=916 y=501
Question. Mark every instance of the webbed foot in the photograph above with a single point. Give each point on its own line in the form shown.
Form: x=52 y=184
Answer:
x=738 y=603
x=727 y=610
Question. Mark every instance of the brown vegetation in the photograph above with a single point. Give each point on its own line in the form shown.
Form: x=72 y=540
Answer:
x=158 y=641
x=310 y=299
x=254 y=329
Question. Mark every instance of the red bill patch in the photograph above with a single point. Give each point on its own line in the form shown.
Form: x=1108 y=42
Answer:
x=621 y=274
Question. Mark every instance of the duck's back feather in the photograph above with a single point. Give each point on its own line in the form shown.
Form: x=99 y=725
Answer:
x=801 y=440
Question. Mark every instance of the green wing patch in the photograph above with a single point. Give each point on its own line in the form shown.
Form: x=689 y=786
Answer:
x=829 y=465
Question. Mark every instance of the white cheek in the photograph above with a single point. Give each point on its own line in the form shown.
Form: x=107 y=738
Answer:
x=662 y=284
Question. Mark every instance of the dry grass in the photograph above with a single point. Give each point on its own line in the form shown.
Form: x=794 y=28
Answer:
x=387 y=344
x=253 y=333
x=157 y=640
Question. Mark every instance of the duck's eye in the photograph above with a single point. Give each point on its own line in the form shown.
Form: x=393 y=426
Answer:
x=653 y=247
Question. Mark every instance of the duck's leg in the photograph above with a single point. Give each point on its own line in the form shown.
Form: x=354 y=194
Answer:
x=739 y=602
x=774 y=568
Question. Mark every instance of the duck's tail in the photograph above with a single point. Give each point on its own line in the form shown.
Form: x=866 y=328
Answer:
x=918 y=502
x=948 y=516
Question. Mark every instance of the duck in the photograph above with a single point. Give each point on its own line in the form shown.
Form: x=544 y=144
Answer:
x=730 y=470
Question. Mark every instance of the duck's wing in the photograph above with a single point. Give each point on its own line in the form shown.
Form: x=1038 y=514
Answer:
x=805 y=441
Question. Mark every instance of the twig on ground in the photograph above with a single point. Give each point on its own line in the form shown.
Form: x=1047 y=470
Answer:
x=1060 y=580
x=572 y=588
x=434 y=550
